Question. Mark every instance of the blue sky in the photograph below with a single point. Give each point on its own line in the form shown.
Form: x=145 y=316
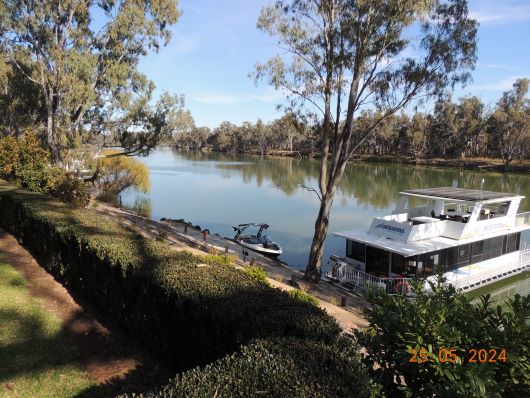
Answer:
x=215 y=46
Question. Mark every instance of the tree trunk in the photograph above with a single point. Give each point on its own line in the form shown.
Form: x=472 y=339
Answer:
x=314 y=265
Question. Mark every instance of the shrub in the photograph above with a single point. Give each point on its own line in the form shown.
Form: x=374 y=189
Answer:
x=258 y=274
x=25 y=162
x=440 y=324
x=71 y=189
x=218 y=259
x=190 y=316
x=302 y=296
x=285 y=367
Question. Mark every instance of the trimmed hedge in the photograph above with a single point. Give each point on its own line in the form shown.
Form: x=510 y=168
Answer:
x=189 y=315
x=286 y=367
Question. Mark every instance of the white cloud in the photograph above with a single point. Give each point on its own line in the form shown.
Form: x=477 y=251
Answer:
x=491 y=13
x=501 y=85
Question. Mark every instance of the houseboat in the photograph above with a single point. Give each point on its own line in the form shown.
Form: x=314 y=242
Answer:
x=473 y=236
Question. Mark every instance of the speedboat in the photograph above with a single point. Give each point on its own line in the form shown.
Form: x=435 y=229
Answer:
x=260 y=243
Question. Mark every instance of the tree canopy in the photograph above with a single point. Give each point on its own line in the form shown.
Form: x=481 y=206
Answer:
x=341 y=56
x=70 y=66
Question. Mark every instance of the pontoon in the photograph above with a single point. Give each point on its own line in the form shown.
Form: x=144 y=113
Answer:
x=473 y=236
x=260 y=243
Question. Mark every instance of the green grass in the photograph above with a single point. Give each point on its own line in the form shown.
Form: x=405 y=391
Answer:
x=36 y=358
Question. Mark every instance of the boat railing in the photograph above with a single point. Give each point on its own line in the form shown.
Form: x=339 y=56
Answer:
x=494 y=274
x=348 y=275
x=522 y=219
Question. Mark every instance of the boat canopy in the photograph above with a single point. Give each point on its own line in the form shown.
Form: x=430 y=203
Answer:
x=408 y=249
x=461 y=195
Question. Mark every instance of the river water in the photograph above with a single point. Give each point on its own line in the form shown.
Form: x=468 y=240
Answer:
x=216 y=191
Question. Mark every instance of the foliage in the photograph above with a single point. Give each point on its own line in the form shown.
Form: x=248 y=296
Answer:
x=258 y=274
x=80 y=78
x=25 y=162
x=117 y=173
x=219 y=259
x=462 y=129
x=509 y=125
x=36 y=356
x=73 y=190
x=444 y=319
x=302 y=296
x=342 y=55
x=189 y=315
x=277 y=368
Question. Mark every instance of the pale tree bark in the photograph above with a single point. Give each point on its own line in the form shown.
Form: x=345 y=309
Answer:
x=338 y=48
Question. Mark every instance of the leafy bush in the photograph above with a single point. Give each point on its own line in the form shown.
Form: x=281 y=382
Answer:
x=258 y=274
x=25 y=162
x=218 y=259
x=446 y=320
x=189 y=315
x=302 y=296
x=71 y=189
x=285 y=367
x=117 y=173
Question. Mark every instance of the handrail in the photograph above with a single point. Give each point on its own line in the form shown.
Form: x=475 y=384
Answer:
x=346 y=273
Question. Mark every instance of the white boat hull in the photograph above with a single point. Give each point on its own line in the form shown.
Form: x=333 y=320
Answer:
x=261 y=249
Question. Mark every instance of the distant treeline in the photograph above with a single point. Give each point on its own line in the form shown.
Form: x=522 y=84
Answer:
x=467 y=128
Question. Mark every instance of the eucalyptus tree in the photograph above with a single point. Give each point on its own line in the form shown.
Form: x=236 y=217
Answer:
x=82 y=57
x=341 y=56
x=509 y=125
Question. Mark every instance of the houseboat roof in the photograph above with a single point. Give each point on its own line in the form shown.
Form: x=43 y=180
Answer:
x=420 y=246
x=461 y=194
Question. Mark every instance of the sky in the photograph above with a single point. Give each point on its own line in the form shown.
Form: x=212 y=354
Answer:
x=215 y=46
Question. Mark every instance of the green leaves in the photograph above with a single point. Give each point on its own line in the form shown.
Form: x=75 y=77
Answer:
x=82 y=72
x=190 y=315
x=442 y=323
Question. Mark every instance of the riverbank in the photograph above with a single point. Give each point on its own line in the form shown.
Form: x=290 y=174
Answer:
x=180 y=235
x=481 y=163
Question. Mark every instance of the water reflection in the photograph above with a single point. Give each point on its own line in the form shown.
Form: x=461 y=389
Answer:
x=384 y=180
x=219 y=190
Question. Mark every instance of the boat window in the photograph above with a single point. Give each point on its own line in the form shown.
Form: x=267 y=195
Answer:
x=355 y=250
x=510 y=243
x=433 y=261
x=410 y=266
x=452 y=258
x=463 y=255
x=493 y=247
x=477 y=247
x=377 y=261
x=398 y=264
x=477 y=251
x=419 y=265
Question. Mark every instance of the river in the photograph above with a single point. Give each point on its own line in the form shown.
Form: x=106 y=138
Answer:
x=216 y=191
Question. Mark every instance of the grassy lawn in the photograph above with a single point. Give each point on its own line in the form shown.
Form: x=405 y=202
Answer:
x=36 y=358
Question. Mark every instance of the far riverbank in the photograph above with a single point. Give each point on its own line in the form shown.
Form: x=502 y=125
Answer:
x=485 y=164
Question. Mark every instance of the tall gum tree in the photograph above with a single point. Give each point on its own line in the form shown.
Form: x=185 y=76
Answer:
x=82 y=57
x=342 y=56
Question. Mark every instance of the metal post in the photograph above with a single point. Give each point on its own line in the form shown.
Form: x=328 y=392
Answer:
x=244 y=256
x=226 y=249
x=185 y=228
